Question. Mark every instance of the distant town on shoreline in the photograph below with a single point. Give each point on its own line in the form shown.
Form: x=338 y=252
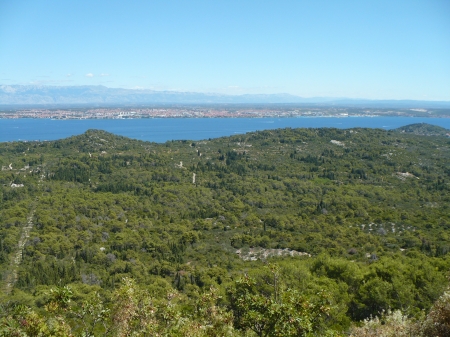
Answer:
x=226 y=111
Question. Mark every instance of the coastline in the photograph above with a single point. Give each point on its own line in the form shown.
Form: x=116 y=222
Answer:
x=165 y=129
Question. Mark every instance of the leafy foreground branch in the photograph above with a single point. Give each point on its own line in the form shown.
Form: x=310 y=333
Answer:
x=395 y=324
x=133 y=312
x=248 y=312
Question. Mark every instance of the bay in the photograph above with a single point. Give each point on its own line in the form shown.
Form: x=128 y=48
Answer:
x=164 y=129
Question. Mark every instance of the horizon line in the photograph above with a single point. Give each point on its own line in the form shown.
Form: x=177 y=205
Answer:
x=226 y=94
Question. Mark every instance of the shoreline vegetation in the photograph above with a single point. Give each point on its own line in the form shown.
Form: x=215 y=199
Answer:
x=285 y=232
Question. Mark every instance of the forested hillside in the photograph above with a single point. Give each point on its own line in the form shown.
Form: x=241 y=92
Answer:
x=290 y=232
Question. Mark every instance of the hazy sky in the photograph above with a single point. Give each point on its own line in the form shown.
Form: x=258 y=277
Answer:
x=381 y=49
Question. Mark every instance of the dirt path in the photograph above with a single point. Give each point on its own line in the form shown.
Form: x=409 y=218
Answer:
x=12 y=273
x=11 y=277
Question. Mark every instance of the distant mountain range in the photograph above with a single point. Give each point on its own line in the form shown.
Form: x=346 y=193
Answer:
x=15 y=95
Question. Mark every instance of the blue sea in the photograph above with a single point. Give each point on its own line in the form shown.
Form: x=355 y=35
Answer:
x=163 y=129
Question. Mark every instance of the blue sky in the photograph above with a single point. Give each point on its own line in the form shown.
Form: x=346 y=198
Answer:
x=374 y=49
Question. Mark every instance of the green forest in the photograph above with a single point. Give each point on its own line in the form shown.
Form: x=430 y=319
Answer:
x=287 y=232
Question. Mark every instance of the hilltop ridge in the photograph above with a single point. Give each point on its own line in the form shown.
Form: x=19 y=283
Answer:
x=424 y=129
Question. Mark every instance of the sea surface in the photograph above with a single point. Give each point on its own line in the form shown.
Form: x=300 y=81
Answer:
x=164 y=129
